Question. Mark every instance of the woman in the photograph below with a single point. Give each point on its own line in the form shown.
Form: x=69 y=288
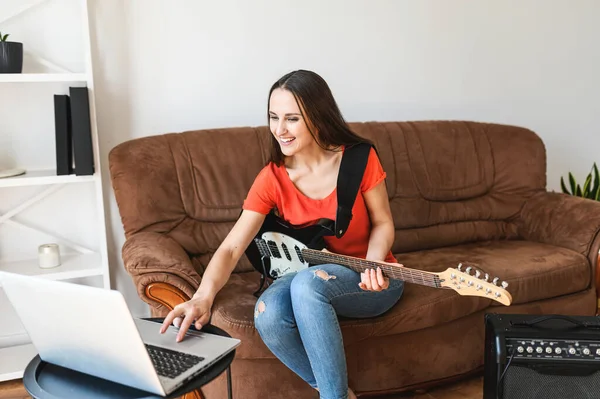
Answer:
x=296 y=316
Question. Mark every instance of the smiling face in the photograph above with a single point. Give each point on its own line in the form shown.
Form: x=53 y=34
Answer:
x=287 y=124
x=304 y=117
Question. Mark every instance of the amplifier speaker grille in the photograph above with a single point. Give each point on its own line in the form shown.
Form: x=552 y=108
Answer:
x=526 y=383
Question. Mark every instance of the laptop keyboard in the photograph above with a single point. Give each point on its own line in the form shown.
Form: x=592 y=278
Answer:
x=170 y=363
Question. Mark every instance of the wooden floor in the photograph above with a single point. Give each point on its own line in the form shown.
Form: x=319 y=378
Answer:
x=469 y=389
x=13 y=390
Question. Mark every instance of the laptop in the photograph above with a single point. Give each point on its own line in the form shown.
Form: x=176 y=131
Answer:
x=91 y=330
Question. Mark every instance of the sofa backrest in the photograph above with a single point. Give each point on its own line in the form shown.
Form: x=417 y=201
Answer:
x=449 y=182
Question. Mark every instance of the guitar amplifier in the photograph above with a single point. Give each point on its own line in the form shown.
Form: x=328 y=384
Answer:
x=541 y=357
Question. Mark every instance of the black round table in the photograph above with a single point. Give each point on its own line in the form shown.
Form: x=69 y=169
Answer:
x=48 y=381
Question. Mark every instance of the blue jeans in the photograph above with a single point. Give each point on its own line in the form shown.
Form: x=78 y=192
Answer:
x=296 y=318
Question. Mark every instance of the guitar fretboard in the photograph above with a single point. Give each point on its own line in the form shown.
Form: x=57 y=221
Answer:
x=360 y=265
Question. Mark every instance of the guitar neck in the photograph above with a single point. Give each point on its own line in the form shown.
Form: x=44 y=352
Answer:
x=360 y=265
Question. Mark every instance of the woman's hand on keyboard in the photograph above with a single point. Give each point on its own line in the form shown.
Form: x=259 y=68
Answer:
x=197 y=311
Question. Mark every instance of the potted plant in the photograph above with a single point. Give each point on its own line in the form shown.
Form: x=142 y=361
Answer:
x=591 y=186
x=11 y=55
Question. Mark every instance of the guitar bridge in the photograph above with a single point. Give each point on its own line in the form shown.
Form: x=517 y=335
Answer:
x=262 y=246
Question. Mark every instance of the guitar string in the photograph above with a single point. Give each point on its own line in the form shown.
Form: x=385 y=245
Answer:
x=360 y=262
x=414 y=276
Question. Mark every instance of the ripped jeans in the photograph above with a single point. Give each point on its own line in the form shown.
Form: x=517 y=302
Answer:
x=296 y=318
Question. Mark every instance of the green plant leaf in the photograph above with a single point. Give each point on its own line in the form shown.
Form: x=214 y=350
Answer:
x=578 y=191
x=563 y=186
x=586 y=186
x=573 y=183
x=5 y=36
x=595 y=191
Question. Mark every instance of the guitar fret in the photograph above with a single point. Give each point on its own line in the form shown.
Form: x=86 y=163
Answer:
x=359 y=265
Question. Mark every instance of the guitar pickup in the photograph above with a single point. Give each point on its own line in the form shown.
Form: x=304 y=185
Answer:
x=286 y=252
x=274 y=250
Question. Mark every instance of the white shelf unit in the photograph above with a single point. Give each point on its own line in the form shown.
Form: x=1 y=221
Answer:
x=31 y=204
x=43 y=77
x=72 y=266
x=42 y=177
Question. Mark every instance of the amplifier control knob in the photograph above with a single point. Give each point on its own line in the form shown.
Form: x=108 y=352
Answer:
x=539 y=349
x=558 y=351
x=548 y=349
x=572 y=351
x=586 y=351
x=529 y=349
x=520 y=349
x=598 y=352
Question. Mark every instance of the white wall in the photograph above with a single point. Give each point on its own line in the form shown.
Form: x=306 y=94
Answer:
x=164 y=66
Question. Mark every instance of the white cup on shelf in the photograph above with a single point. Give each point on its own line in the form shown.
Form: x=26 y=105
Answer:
x=49 y=256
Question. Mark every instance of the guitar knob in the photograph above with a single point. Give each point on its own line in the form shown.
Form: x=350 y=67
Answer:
x=486 y=277
x=477 y=273
x=468 y=270
x=459 y=267
x=495 y=281
x=504 y=284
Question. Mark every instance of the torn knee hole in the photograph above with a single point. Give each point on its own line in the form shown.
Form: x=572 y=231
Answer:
x=323 y=275
x=260 y=308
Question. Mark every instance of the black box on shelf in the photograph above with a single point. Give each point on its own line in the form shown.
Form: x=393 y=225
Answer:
x=81 y=131
x=62 y=128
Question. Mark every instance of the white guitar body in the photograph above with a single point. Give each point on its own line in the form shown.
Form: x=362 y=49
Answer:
x=291 y=259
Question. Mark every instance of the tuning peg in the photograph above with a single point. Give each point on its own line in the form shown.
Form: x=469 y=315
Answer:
x=486 y=277
x=468 y=270
x=459 y=267
x=477 y=273
x=495 y=281
x=504 y=284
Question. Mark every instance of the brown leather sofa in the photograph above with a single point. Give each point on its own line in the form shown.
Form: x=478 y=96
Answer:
x=459 y=192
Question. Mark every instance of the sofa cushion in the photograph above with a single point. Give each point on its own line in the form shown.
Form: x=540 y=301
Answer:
x=434 y=152
x=534 y=271
x=456 y=182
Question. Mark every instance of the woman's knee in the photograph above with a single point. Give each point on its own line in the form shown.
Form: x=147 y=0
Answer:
x=313 y=281
x=273 y=313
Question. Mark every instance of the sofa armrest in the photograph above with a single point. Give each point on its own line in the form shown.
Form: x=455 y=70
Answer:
x=161 y=270
x=565 y=221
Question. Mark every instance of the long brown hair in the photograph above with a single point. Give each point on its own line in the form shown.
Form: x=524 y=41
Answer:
x=319 y=110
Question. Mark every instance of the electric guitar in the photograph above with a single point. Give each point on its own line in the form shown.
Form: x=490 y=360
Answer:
x=280 y=248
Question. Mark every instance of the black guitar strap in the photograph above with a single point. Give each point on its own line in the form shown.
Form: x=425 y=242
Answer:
x=352 y=169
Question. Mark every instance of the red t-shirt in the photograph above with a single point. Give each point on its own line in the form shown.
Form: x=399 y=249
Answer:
x=273 y=188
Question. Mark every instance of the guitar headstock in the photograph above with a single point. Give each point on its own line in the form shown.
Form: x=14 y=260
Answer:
x=476 y=284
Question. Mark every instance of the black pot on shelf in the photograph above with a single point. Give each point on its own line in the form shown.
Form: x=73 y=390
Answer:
x=11 y=57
